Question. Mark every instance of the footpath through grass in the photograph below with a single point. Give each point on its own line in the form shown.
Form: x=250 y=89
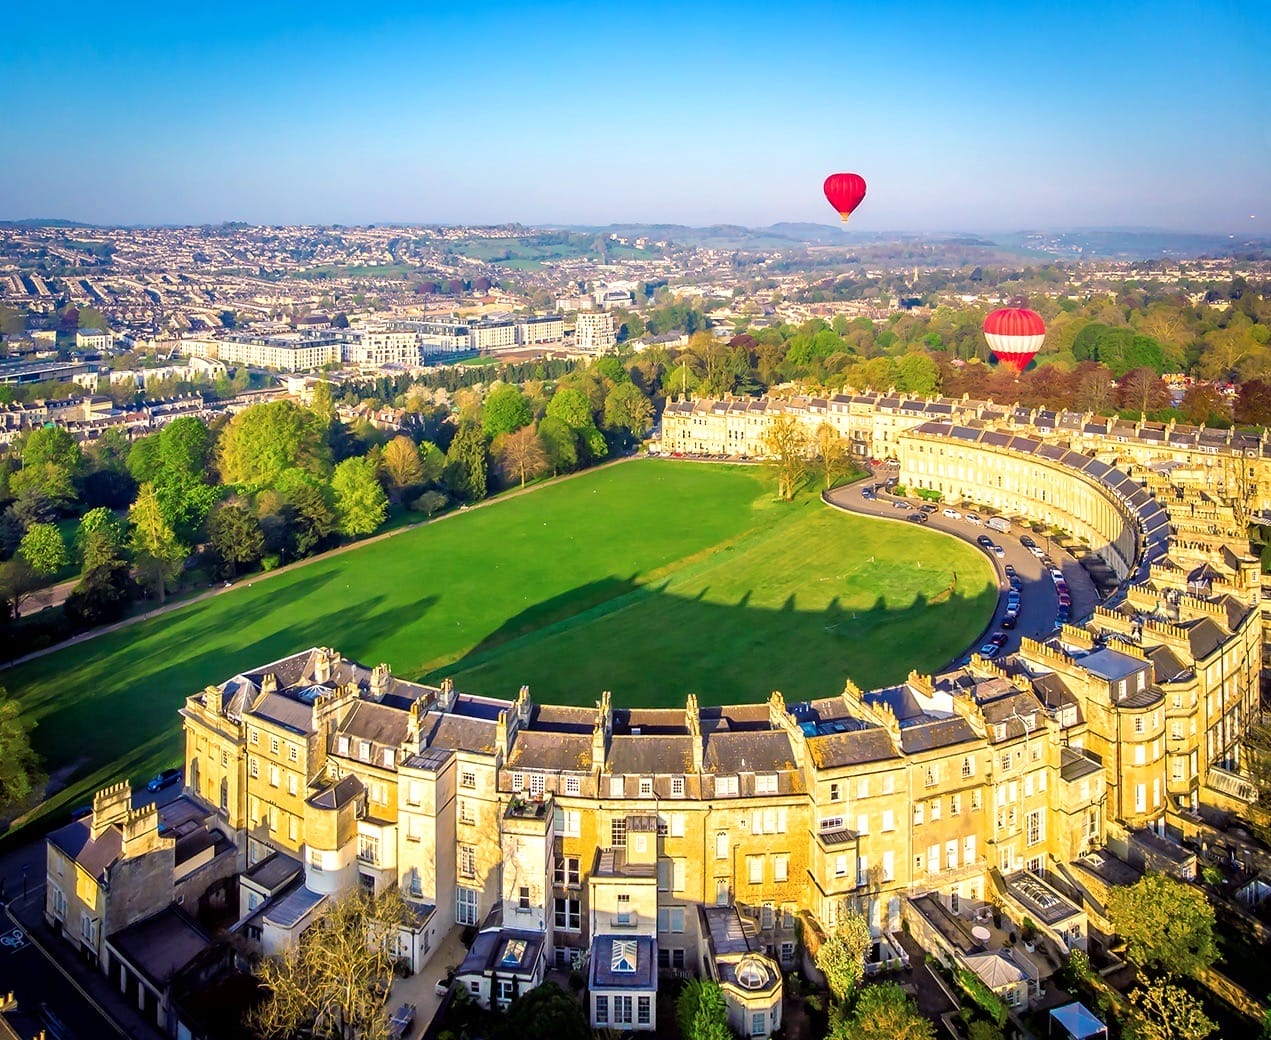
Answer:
x=652 y=579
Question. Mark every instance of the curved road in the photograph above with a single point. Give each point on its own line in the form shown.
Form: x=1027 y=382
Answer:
x=1038 y=600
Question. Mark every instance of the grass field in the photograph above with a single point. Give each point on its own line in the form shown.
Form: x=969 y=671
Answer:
x=652 y=579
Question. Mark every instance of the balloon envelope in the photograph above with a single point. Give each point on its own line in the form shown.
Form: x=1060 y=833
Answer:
x=1015 y=335
x=845 y=192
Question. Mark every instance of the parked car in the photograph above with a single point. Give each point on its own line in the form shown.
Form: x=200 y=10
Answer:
x=1065 y=600
x=1061 y=618
x=984 y=541
x=917 y=518
x=973 y=518
x=898 y=504
x=1056 y=575
x=1012 y=601
x=998 y=639
x=868 y=493
x=1011 y=572
x=998 y=551
x=1010 y=619
x=165 y=779
x=990 y=650
x=952 y=514
x=927 y=507
x=1026 y=542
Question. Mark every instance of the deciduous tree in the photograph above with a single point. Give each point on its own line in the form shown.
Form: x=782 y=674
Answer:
x=831 y=453
x=883 y=1011
x=1164 y=1011
x=1165 y=923
x=702 y=1012
x=786 y=444
x=236 y=538
x=329 y=984
x=841 y=958
x=20 y=775
x=547 y=1012
x=505 y=410
x=628 y=408
x=360 y=502
x=263 y=441
x=402 y=465
x=101 y=537
x=520 y=454
x=157 y=550
x=44 y=549
x=560 y=444
x=467 y=468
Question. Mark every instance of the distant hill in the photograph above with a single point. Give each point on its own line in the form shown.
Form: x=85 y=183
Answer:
x=1036 y=244
x=58 y=222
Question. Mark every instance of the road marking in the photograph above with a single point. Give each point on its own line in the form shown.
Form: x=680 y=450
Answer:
x=13 y=940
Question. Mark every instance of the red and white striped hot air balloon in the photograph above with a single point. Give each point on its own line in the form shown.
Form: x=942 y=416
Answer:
x=1015 y=335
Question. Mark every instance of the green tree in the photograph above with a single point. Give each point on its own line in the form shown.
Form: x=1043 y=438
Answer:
x=505 y=410
x=571 y=407
x=560 y=444
x=145 y=458
x=467 y=466
x=236 y=538
x=883 y=1011
x=44 y=549
x=702 y=1012
x=52 y=445
x=917 y=373
x=308 y=518
x=1165 y=923
x=102 y=595
x=402 y=464
x=322 y=403
x=433 y=460
x=100 y=537
x=628 y=408
x=547 y=1012
x=185 y=446
x=156 y=548
x=1164 y=1011
x=841 y=958
x=263 y=441
x=20 y=775
x=360 y=502
x=17 y=582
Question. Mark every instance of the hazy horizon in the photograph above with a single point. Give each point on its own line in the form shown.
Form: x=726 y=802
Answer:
x=1008 y=117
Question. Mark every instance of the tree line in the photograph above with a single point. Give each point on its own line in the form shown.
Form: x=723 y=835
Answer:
x=275 y=483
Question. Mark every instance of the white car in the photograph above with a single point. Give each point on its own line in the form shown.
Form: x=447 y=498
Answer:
x=998 y=551
x=1056 y=575
x=952 y=514
x=973 y=518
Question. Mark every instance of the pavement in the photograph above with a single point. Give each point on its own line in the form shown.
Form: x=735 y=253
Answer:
x=1039 y=603
x=420 y=989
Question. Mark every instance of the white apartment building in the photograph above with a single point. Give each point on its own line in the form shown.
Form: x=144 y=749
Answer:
x=93 y=339
x=594 y=332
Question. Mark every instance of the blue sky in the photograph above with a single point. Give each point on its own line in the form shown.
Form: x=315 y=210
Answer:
x=960 y=116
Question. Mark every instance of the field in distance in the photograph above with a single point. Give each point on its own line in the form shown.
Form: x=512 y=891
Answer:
x=652 y=579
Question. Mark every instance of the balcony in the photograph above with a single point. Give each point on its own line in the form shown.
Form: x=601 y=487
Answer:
x=529 y=807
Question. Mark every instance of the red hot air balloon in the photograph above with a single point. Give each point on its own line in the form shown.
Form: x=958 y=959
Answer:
x=845 y=192
x=1015 y=336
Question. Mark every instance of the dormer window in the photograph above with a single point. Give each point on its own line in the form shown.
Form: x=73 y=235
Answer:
x=726 y=787
x=617 y=789
x=765 y=783
x=518 y=782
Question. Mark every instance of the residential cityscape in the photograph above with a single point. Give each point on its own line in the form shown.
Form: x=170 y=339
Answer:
x=702 y=523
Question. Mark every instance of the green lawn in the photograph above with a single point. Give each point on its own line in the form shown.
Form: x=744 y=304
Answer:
x=652 y=579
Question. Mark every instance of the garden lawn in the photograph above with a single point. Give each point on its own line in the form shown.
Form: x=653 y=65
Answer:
x=652 y=579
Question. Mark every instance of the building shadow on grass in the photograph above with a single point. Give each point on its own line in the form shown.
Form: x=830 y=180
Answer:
x=651 y=646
